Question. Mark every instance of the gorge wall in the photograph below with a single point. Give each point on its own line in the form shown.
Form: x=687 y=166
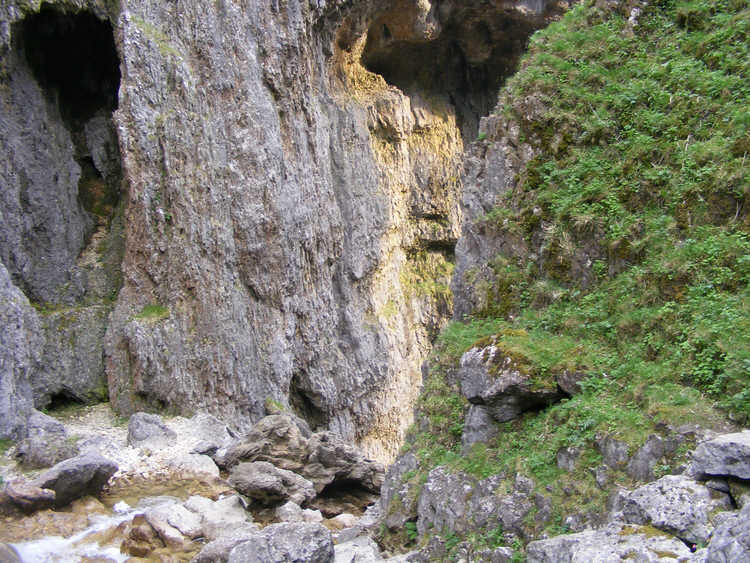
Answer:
x=238 y=205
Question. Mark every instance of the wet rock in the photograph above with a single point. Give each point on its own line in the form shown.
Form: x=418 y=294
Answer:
x=140 y=538
x=217 y=550
x=8 y=554
x=641 y=465
x=677 y=505
x=159 y=519
x=270 y=485
x=398 y=497
x=280 y=543
x=731 y=539
x=73 y=478
x=29 y=498
x=613 y=543
x=148 y=430
x=187 y=522
x=728 y=454
x=361 y=549
x=614 y=452
x=489 y=377
x=479 y=427
x=568 y=457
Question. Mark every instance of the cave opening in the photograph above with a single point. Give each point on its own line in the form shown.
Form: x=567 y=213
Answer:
x=73 y=58
x=460 y=53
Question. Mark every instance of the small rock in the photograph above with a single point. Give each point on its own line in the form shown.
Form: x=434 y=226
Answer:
x=289 y=512
x=205 y=447
x=194 y=464
x=221 y=515
x=73 y=478
x=641 y=465
x=614 y=452
x=497 y=555
x=158 y=518
x=740 y=491
x=140 y=538
x=601 y=476
x=312 y=516
x=148 y=430
x=187 y=522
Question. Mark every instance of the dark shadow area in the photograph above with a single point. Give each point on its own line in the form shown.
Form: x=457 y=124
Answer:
x=73 y=57
x=304 y=406
x=476 y=48
x=343 y=495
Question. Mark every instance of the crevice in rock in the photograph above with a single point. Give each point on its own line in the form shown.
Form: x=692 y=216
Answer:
x=303 y=404
x=343 y=495
x=62 y=401
x=461 y=53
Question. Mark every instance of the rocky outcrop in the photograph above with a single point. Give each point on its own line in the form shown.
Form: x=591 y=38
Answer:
x=491 y=377
x=731 y=539
x=283 y=542
x=726 y=455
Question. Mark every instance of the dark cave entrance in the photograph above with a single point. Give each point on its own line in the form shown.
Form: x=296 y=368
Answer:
x=74 y=60
x=73 y=57
x=467 y=56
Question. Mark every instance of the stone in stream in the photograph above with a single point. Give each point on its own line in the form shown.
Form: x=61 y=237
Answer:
x=288 y=541
x=28 y=497
x=218 y=516
x=73 y=478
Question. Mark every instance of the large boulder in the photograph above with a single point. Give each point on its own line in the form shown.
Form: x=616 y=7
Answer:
x=731 y=539
x=148 y=430
x=285 y=542
x=330 y=459
x=269 y=485
x=28 y=497
x=675 y=504
x=616 y=542
x=73 y=478
x=728 y=454
x=503 y=384
x=46 y=443
x=277 y=439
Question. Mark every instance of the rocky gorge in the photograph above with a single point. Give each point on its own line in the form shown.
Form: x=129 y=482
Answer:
x=342 y=296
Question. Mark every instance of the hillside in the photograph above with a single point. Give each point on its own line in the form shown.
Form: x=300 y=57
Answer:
x=615 y=250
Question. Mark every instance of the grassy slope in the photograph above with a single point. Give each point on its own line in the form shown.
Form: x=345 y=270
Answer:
x=645 y=149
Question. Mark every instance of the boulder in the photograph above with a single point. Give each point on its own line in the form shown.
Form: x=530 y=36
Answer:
x=330 y=459
x=148 y=430
x=46 y=444
x=277 y=439
x=194 y=464
x=158 y=517
x=442 y=504
x=731 y=539
x=218 y=516
x=269 y=485
x=675 y=504
x=361 y=549
x=73 y=478
x=496 y=380
x=616 y=542
x=217 y=550
x=728 y=454
x=614 y=452
x=641 y=465
x=288 y=541
x=479 y=427
x=342 y=521
x=28 y=497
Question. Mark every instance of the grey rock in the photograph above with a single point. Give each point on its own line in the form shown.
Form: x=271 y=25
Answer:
x=398 y=497
x=497 y=555
x=677 y=505
x=277 y=439
x=219 y=516
x=187 y=522
x=29 y=498
x=567 y=458
x=330 y=460
x=281 y=543
x=267 y=484
x=570 y=381
x=614 y=452
x=641 y=465
x=194 y=464
x=361 y=549
x=728 y=454
x=217 y=550
x=205 y=447
x=490 y=378
x=148 y=430
x=601 y=476
x=8 y=554
x=731 y=539
x=46 y=444
x=613 y=543
x=20 y=343
x=159 y=519
x=312 y=516
x=717 y=484
x=73 y=478
x=739 y=491
x=479 y=427
x=289 y=512
x=434 y=513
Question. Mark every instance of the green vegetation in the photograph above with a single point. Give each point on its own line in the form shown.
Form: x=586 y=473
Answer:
x=635 y=206
x=153 y=313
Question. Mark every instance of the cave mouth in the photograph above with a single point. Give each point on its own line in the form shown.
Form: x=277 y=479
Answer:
x=462 y=54
x=74 y=59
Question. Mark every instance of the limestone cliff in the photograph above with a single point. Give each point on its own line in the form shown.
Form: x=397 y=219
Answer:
x=285 y=183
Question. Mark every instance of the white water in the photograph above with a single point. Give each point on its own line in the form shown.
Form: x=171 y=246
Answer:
x=54 y=549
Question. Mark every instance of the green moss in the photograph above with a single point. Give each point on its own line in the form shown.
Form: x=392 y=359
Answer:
x=153 y=312
x=5 y=445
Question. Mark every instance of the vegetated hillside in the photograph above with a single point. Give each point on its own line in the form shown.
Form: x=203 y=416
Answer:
x=641 y=142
